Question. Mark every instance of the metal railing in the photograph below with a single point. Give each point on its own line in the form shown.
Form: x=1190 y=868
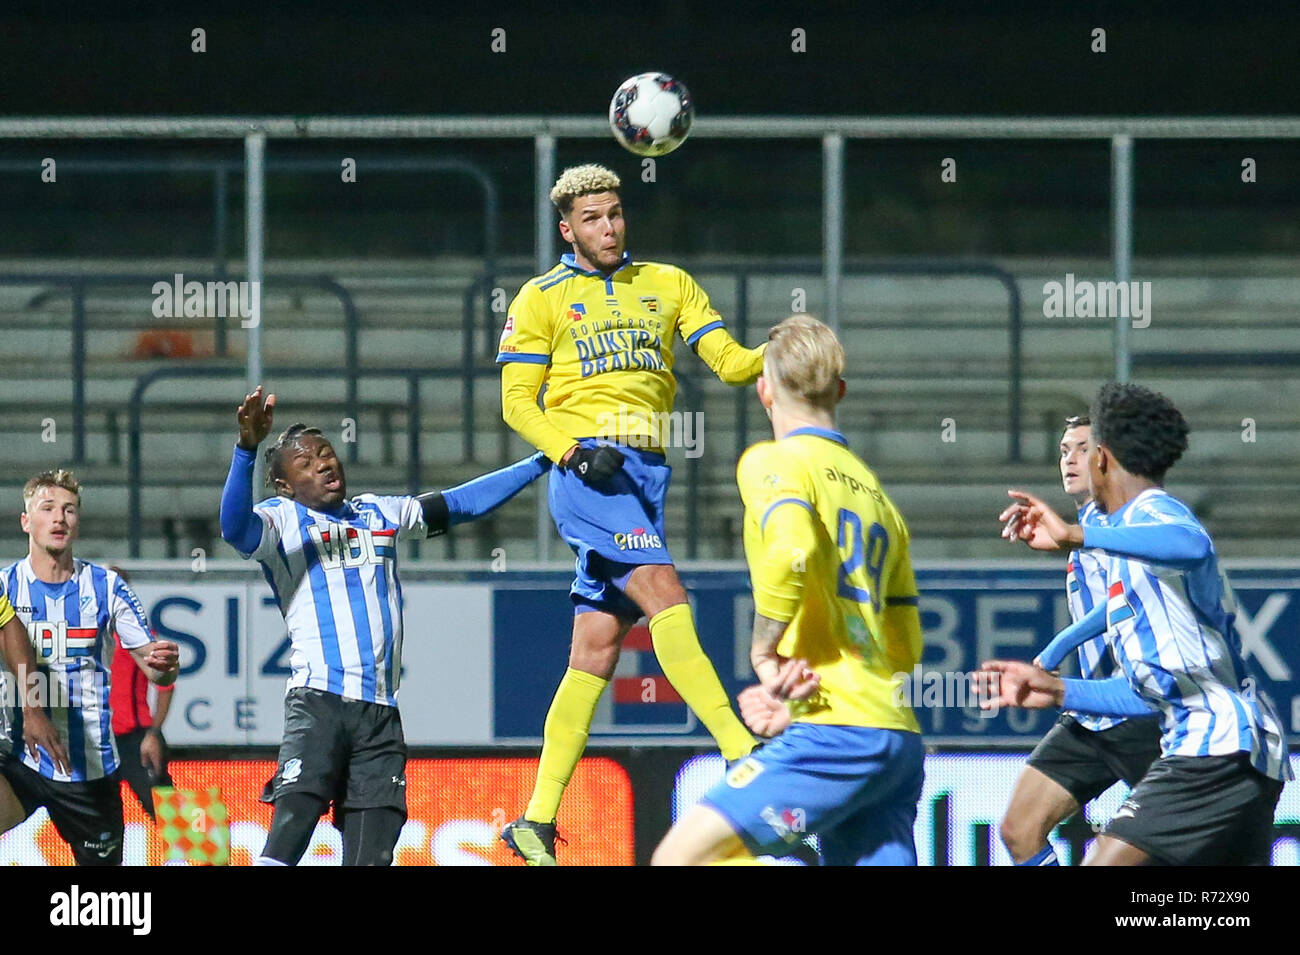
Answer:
x=77 y=284
x=222 y=169
x=135 y=463
x=1217 y=359
x=545 y=131
x=740 y=275
x=414 y=473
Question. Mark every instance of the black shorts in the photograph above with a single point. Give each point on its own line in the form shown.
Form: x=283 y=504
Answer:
x=88 y=815
x=1088 y=762
x=347 y=752
x=1200 y=810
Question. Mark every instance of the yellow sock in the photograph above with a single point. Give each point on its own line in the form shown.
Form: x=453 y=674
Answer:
x=741 y=858
x=677 y=646
x=563 y=740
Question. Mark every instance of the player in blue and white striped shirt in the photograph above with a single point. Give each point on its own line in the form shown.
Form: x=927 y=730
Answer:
x=331 y=563
x=70 y=609
x=1169 y=620
x=1083 y=755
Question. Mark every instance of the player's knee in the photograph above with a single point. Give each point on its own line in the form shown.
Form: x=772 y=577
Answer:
x=656 y=587
x=595 y=648
x=1019 y=837
x=596 y=659
x=666 y=853
x=11 y=814
x=370 y=836
x=292 y=825
x=681 y=847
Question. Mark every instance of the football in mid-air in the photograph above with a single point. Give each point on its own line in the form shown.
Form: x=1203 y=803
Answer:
x=651 y=114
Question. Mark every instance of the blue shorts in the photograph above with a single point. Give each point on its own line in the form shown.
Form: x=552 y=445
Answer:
x=857 y=788
x=613 y=529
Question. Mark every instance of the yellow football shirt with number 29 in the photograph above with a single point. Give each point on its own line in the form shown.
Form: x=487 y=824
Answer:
x=828 y=553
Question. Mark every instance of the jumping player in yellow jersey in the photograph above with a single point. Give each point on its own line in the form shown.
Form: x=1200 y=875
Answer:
x=598 y=330
x=836 y=628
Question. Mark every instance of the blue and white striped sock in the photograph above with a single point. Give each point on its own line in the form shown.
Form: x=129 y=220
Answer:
x=1044 y=856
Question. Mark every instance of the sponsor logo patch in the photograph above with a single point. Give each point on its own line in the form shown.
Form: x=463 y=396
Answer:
x=636 y=539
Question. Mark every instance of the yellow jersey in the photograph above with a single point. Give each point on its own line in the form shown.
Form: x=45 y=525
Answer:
x=828 y=554
x=603 y=347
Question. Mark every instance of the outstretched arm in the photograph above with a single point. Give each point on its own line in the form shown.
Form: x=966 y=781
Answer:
x=731 y=361
x=1114 y=696
x=240 y=527
x=1092 y=624
x=1043 y=529
x=701 y=327
x=473 y=499
x=1014 y=683
x=1171 y=544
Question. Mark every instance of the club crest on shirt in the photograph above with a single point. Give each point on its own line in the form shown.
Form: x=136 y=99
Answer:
x=650 y=303
x=1128 y=808
x=744 y=773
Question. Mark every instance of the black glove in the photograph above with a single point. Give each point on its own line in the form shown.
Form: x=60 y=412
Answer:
x=595 y=465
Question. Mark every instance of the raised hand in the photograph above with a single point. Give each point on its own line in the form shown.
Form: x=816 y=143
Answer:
x=1032 y=521
x=1011 y=519
x=255 y=419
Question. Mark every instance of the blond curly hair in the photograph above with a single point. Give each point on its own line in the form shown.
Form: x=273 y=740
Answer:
x=582 y=181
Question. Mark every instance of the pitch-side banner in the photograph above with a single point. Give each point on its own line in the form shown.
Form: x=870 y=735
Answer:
x=968 y=615
x=456 y=808
x=483 y=656
x=235 y=662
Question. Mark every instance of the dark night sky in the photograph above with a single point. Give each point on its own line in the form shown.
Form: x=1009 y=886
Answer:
x=291 y=57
